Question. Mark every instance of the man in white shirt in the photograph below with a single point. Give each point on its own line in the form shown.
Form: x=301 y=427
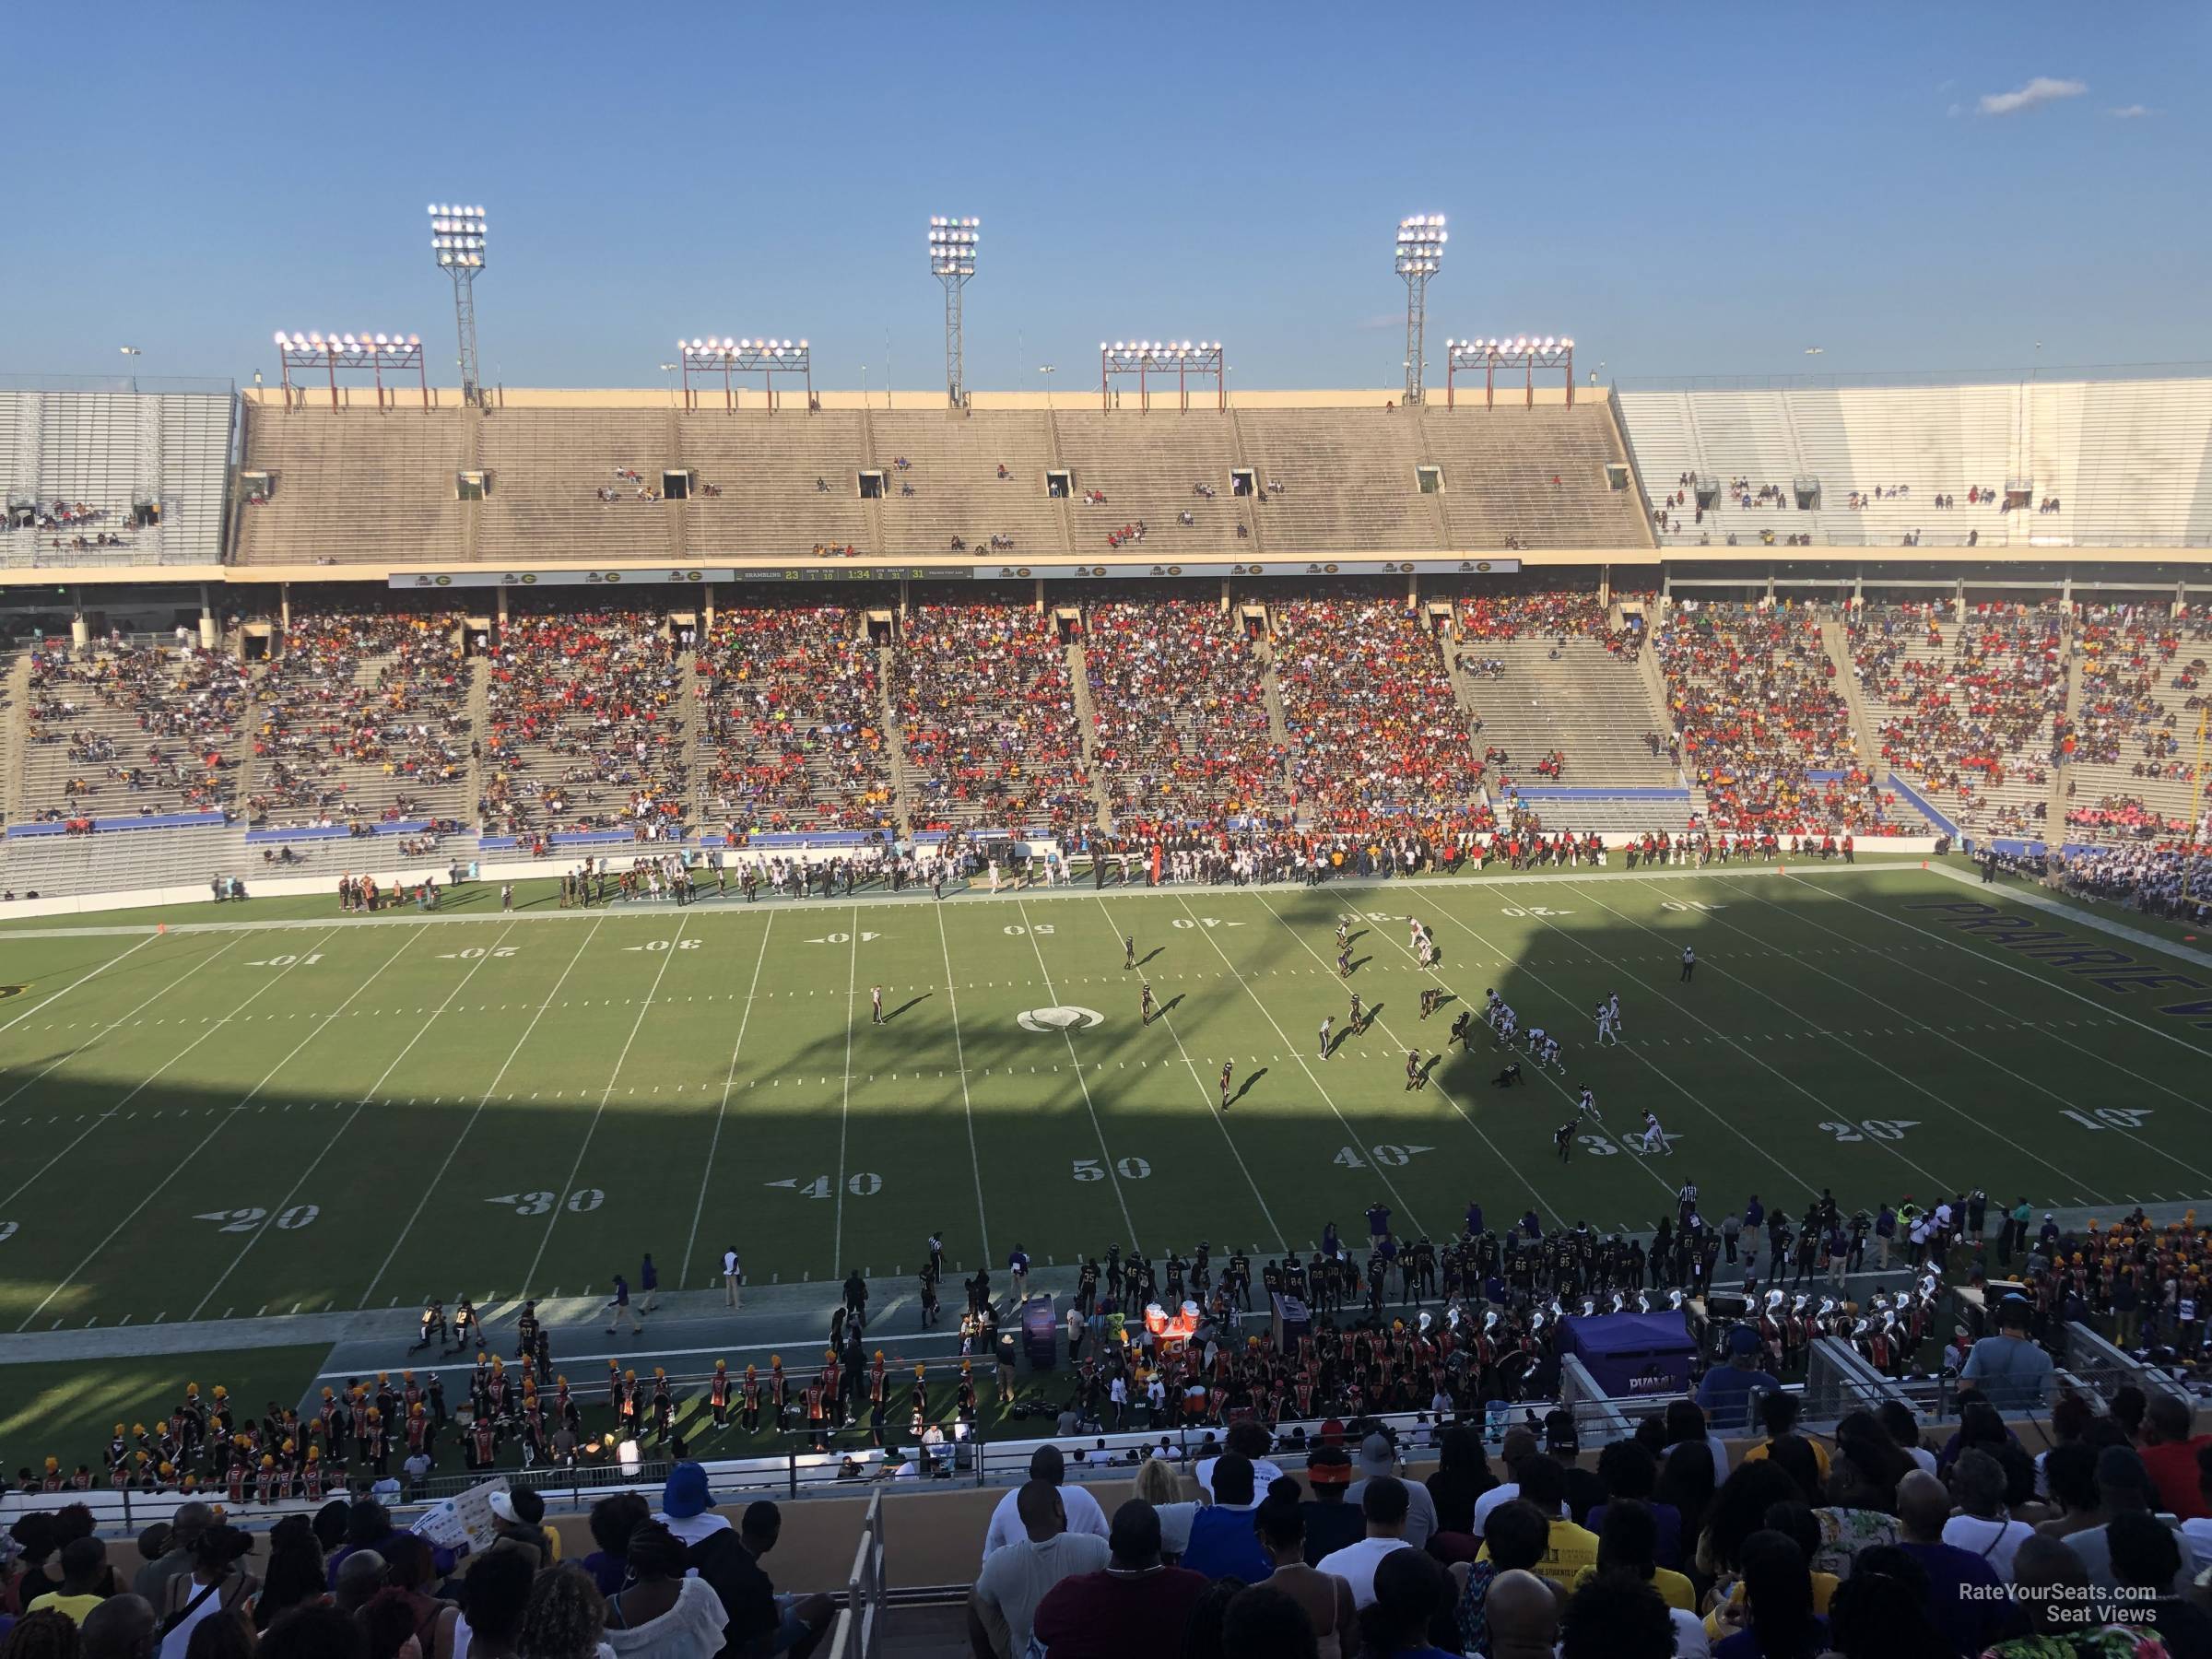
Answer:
x=1383 y=1504
x=1520 y=1445
x=1378 y=1460
x=1083 y=1514
x=1982 y=1525
x=1247 y=1439
x=1002 y=1606
x=733 y=1277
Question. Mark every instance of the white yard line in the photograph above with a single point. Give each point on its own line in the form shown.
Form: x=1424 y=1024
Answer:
x=1075 y=1061
x=177 y=1167
x=1205 y=1094
x=591 y=1129
x=1496 y=1150
x=1396 y=1197
x=1991 y=959
x=729 y=1082
x=1866 y=1054
x=1644 y=1061
x=960 y=1054
x=844 y=1109
x=483 y=1100
x=347 y=1123
x=56 y=1064
x=49 y=1001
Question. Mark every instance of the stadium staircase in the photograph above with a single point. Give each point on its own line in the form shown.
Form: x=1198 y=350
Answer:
x=479 y=730
x=1087 y=715
x=698 y=760
x=1864 y=738
x=1589 y=704
x=14 y=735
x=894 y=740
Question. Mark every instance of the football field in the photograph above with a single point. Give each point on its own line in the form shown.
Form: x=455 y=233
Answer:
x=276 y=1108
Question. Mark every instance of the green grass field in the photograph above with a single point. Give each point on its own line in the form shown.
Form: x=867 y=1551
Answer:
x=350 y=1113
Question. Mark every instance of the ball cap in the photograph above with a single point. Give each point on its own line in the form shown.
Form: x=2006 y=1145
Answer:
x=686 y=1494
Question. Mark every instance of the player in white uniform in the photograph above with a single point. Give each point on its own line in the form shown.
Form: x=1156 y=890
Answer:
x=1612 y=1008
x=1507 y=1026
x=1326 y=1024
x=1536 y=1038
x=1586 y=1103
x=1493 y=1004
x=1607 y=1031
x=1550 y=1056
x=1655 y=1137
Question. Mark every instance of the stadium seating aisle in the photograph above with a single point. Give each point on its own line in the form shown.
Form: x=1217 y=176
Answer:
x=586 y=724
x=1967 y=712
x=793 y=716
x=1751 y=694
x=130 y=727
x=988 y=718
x=1181 y=712
x=1371 y=708
x=361 y=717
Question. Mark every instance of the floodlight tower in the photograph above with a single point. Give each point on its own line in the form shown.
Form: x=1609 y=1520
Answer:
x=952 y=245
x=1421 y=254
x=457 y=244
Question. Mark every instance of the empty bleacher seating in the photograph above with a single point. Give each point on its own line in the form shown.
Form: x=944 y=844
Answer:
x=115 y=477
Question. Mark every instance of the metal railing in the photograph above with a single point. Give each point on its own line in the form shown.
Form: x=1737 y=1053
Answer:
x=858 y=1633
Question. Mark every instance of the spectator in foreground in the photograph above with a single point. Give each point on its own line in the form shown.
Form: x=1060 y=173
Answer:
x=1462 y=1474
x=1136 y=1604
x=1982 y=1526
x=1049 y=1464
x=219 y=1586
x=1331 y=1522
x=664 y=1613
x=2147 y=1563
x=315 y=1631
x=2009 y=1369
x=1383 y=1506
x=84 y=1569
x=1264 y=1623
x=1778 y=1592
x=42 y=1635
x=1379 y=1461
x=1727 y=1392
x=1881 y=1612
x=1326 y=1599
x=1524 y=1617
x=564 y=1617
x=1002 y=1607
x=185 y=1529
x=1409 y=1589
x=1159 y=1486
x=1567 y=1547
x=1619 y=1616
x=1515 y=1541
x=1223 y=1543
x=613 y=1519
x=2053 y=1589
x=123 y=1627
x=2171 y=1454
x=2124 y=1487
x=499 y=1591
x=1965 y=1592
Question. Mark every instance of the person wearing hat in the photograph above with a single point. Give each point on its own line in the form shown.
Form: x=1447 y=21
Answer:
x=185 y=1529
x=1379 y=1461
x=1046 y=1464
x=519 y=1518
x=758 y=1620
x=1727 y=1391
x=2009 y=1369
x=1331 y=1520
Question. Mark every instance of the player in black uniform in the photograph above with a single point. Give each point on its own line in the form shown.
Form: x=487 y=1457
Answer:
x=1431 y=997
x=1128 y=951
x=1145 y=1007
x=1414 y=1077
x=1228 y=1069
x=1460 y=1024
x=1564 y=1138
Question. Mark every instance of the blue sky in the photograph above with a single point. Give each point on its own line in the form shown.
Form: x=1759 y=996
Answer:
x=1693 y=189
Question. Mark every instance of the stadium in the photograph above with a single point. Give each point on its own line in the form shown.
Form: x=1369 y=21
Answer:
x=1439 y=920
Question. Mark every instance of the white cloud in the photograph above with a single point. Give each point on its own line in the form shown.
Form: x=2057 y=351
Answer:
x=1956 y=111
x=2130 y=112
x=2043 y=89
x=1944 y=85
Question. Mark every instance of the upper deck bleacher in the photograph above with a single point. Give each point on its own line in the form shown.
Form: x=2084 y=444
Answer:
x=2028 y=464
x=93 y=478
x=581 y=479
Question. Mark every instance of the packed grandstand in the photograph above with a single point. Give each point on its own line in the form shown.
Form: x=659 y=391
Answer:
x=285 y=641
x=1326 y=616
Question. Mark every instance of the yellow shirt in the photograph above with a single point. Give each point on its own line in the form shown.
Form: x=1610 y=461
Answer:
x=1570 y=1551
x=1674 y=1589
x=74 y=1606
x=1758 y=1453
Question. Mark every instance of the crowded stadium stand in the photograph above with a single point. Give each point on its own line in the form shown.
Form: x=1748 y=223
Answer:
x=791 y=701
x=363 y=716
x=1180 y=708
x=131 y=728
x=2132 y=774
x=2029 y=464
x=986 y=701
x=1967 y=712
x=93 y=478
x=587 y=723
